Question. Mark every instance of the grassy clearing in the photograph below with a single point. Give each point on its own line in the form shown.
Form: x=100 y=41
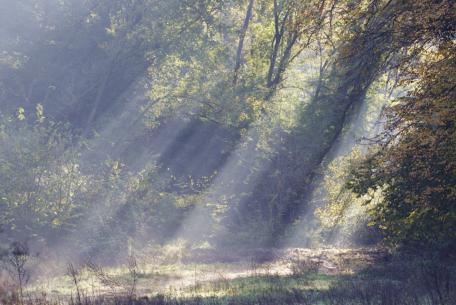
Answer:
x=206 y=274
x=325 y=277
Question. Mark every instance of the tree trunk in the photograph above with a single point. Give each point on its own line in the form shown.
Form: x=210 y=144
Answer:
x=245 y=26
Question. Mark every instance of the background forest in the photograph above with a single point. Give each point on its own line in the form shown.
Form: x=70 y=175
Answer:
x=130 y=125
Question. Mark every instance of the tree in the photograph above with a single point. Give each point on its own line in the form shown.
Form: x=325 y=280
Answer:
x=414 y=165
x=15 y=263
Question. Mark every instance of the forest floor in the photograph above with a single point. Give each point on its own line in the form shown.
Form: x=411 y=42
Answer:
x=213 y=273
x=289 y=276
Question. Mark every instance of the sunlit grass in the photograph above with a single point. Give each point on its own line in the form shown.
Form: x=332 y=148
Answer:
x=286 y=280
x=193 y=280
x=151 y=278
x=260 y=285
x=292 y=272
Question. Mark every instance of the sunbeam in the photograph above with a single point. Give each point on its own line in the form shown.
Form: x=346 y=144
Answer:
x=208 y=152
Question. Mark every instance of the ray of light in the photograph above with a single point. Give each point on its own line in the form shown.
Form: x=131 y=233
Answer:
x=239 y=175
x=114 y=130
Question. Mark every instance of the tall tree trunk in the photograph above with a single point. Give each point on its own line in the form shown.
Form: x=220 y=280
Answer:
x=340 y=92
x=279 y=28
x=245 y=26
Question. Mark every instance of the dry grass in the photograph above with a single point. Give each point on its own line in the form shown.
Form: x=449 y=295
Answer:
x=298 y=276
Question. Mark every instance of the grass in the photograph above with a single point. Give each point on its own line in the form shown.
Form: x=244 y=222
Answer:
x=292 y=280
x=261 y=285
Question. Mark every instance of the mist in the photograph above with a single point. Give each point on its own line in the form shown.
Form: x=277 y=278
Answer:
x=175 y=148
x=112 y=90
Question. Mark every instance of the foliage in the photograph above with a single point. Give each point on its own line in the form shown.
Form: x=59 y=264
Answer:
x=51 y=193
x=343 y=216
x=219 y=121
x=42 y=188
x=414 y=166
